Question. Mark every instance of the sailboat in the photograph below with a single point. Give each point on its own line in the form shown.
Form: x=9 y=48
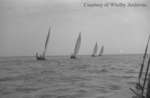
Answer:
x=101 y=51
x=77 y=47
x=140 y=90
x=42 y=56
x=95 y=50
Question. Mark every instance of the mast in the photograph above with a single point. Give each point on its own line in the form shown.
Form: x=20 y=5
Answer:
x=101 y=51
x=140 y=87
x=95 y=50
x=146 y=74
x=144 y=57
x=77 y=45
x=46 y=42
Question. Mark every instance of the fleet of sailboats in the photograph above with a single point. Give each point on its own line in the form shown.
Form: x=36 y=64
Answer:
x=42 y=56
x=77 y=47
x=140 y=90
x=95 y=49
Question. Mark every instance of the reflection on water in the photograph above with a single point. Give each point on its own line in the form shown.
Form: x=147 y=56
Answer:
x=61 y=77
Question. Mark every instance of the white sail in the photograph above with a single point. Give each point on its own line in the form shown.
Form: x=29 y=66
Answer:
x=95 y=50
x=101 y=51
x=77 y=45
x=46 y=42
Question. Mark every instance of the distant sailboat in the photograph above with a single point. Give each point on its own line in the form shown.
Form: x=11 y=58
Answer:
x=95 y=50
x=101 y=51
x=77 y=47
x=42 y=57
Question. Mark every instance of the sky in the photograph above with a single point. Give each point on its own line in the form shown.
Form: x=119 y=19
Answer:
x=24 y=25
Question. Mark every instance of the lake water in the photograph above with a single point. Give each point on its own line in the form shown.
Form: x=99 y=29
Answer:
x=108 y=76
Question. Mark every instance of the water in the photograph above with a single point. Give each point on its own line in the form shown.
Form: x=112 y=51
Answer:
x=108 y=76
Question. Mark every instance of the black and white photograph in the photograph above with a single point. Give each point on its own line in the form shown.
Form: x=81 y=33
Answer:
x=74 y=48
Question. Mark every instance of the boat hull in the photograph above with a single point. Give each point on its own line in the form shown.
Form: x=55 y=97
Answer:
x=72 y=57
x=93 y=55
x=40 y=58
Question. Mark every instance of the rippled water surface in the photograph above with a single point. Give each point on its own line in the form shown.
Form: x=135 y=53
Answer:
x=107 y=76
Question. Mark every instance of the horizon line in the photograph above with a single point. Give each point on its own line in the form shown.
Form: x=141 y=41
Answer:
x=78 y=55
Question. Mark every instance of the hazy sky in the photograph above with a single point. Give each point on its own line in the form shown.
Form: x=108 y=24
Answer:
x=24 y=25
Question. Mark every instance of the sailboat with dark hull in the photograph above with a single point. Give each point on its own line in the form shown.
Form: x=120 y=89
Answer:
x=42 y=56
x=142 y=88
x=95 y=50
x=101 y=51
x=77 y=47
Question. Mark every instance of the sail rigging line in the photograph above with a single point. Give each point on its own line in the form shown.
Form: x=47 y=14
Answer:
x=140 y=88
x=144 y=57
x=147 y=69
